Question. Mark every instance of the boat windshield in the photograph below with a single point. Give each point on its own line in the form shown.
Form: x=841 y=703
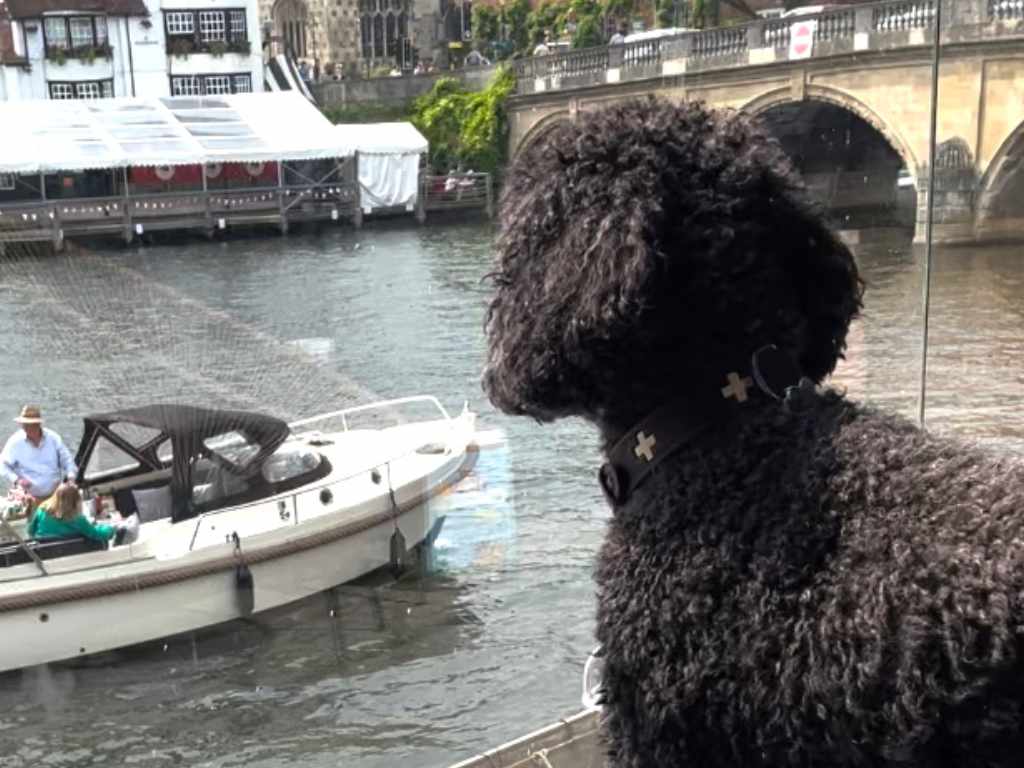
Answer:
x=218 y=483
x=290 y=461
x=232 y=447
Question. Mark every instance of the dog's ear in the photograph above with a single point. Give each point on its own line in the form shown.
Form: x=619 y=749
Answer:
x=828 y=287
x=575 y=259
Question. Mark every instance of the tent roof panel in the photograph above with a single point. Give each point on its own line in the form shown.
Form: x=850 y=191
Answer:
x=50 y=136
x=383 y=138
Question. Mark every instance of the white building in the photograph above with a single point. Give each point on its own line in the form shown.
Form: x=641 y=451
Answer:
x=87 y=49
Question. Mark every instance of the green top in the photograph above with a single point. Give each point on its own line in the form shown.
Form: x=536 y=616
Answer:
x=45 y=526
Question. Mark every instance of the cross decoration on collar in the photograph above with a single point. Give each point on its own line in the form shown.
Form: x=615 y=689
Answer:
x=737 y=387
x=645 y=446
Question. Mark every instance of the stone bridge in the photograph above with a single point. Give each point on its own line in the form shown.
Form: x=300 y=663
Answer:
x=868 y=67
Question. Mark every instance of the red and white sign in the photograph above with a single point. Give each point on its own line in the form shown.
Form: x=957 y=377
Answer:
x=801 y=39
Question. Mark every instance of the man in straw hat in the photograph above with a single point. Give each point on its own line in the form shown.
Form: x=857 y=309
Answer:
x=35 y=458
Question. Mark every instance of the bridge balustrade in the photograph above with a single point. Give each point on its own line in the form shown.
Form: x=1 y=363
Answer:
x=878 y=26
x=1006 y=10
x=898 y=17
x=725 y=41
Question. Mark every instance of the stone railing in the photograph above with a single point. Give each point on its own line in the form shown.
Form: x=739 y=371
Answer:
x=869 y=27
x=1006 y=10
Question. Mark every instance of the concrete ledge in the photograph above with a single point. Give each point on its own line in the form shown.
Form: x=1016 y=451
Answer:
x=674 y=67
x=762 y=55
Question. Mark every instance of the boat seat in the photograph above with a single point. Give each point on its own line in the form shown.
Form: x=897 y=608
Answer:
x=152 y=503
x=46 y=549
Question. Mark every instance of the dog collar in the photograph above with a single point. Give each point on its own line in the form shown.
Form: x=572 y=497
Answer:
x=642 y=448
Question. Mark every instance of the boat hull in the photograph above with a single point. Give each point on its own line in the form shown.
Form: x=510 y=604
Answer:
x=103 y=614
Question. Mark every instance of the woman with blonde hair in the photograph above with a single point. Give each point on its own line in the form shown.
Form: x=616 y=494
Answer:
x=62 y=517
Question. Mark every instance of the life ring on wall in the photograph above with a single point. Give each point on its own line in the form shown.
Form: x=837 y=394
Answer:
x=164 y=172
x=213 y=170
x=255 y=169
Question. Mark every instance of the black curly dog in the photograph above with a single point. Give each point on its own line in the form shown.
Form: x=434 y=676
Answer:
x=822 y=585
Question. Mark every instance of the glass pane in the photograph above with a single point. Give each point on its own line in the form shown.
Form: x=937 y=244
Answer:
x=975 y=337
x=234 y=447
x=134 y=434
x=56 y=31
x=81 y=31
x=107 y=458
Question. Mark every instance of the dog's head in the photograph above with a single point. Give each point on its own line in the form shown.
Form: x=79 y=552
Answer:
x=647 y=247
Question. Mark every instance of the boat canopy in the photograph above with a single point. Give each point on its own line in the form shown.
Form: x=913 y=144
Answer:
x=153 y=435
x=45 y=136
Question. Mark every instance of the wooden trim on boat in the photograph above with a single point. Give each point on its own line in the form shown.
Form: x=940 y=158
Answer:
x=136 y=582
x=574 y=742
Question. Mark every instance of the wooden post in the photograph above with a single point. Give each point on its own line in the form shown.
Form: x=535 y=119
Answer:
x=283 y=224
x=490 y=196
x=423 y=181
x=126 y=208
x=357 y=216
x=58 y=233
x=207 y=214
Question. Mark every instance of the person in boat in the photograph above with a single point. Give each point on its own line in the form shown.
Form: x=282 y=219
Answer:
x=63 y=518
x=35 y=458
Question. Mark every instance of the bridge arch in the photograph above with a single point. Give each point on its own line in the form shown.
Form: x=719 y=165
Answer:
x=765 y=102
x=1003 y=180
x=543 y=126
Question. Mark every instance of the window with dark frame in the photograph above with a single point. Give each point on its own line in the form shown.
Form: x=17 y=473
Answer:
x=6 y=182
x=211 y=85
x=82 y=89
x=199 y=29
x=74 y=33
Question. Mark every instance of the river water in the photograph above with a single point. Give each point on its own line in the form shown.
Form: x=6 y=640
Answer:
x=491 y=643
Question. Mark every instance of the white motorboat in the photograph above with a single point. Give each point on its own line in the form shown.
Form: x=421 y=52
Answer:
x=237 y=513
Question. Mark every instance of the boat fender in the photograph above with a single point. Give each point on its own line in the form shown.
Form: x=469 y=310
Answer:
x=245 y=587
x=399 y=550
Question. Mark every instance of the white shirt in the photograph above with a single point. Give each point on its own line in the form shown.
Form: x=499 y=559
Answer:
x=44 y=466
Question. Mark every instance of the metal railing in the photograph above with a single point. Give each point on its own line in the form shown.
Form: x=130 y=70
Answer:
x=292 y=499
x=196 y=209
x=835 y=29
x=344 y=413
x=457 y=191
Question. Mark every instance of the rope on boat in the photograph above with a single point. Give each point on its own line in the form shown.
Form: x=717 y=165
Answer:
x=399 y=549
x=219 y=564
x=541 y=758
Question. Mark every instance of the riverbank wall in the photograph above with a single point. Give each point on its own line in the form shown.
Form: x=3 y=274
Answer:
x=394 y=91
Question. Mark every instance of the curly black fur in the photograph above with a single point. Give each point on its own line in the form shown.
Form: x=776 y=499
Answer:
x=828 y=588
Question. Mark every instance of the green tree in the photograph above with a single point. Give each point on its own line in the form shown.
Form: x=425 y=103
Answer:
x=705 y=13
x=438 y=116
x=517 y=13
x=486 y=28
x=546 y=18
x=483 y=139
x=464 y=127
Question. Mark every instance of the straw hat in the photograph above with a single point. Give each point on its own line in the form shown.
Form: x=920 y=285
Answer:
x=30 y=414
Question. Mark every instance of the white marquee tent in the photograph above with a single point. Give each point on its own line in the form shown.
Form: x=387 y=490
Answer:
x=389 y=161
x=52 y=136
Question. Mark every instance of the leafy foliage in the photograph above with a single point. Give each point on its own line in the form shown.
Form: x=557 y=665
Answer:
x=465 y=128
x=369 y=112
